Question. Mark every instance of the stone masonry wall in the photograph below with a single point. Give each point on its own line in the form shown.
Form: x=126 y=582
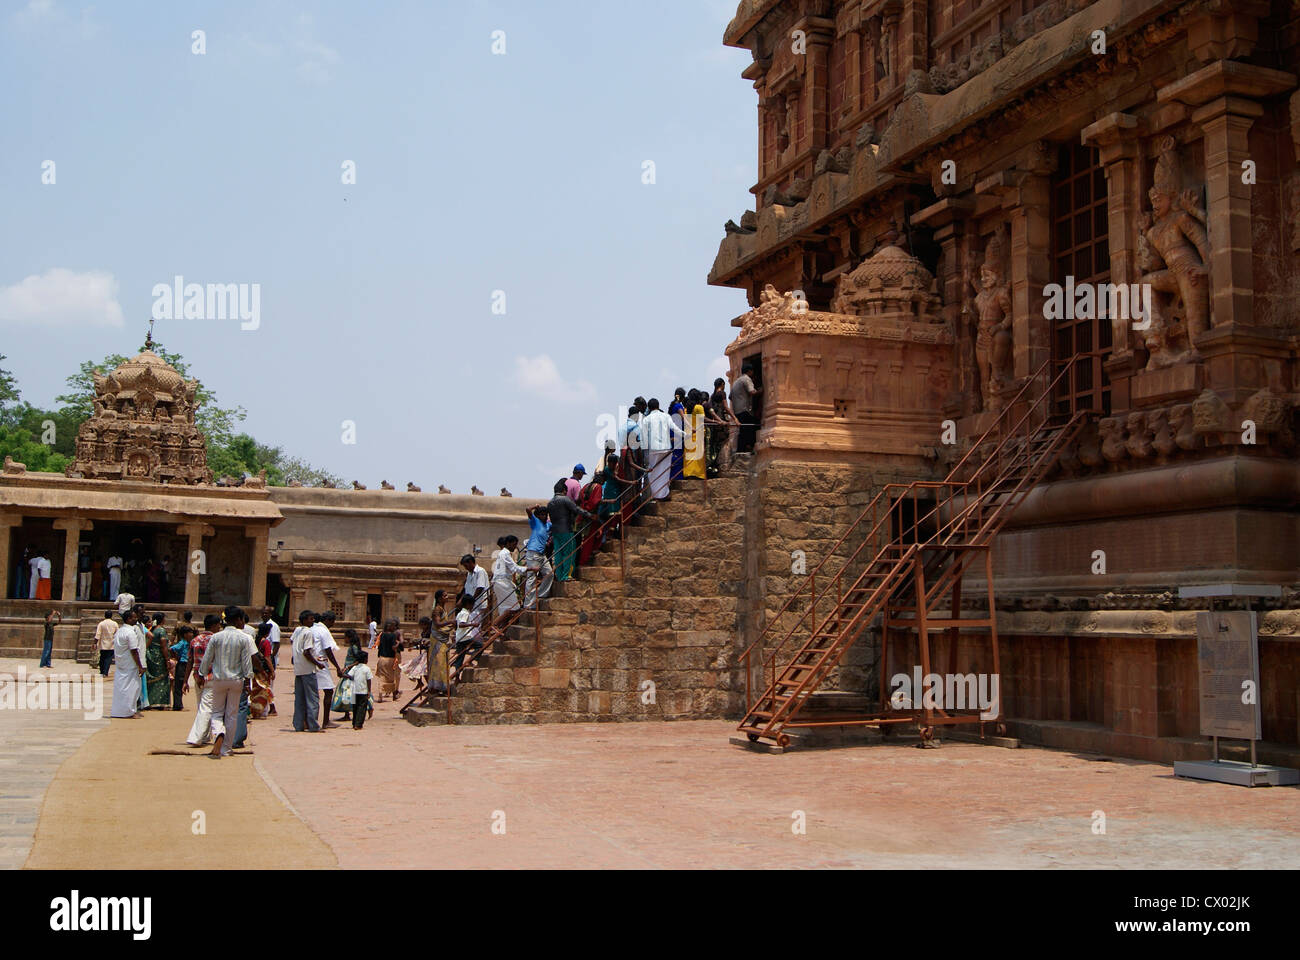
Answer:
x=658 y=645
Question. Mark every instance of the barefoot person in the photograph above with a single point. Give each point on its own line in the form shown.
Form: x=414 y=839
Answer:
x=128 y=667
x=228 y=663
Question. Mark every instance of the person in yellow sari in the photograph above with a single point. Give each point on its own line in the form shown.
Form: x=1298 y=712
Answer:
x=694 y=442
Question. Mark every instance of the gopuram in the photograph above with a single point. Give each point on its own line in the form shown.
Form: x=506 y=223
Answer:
x=140 y=493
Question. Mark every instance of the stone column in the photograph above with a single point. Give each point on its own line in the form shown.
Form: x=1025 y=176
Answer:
x=914 y=38
x=817 y=81
x=257 y=566
x=1116 y=140
x=71 y=528
x=7 y=522
x=948 y=217
x=1223 y=96
x=194 y=559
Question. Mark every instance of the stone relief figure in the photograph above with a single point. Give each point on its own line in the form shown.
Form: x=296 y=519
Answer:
x=993 y=320
x=1183 y=426
x=1138 y=443
x=1162 y=434
x=1112 y=439
x=1173 y=249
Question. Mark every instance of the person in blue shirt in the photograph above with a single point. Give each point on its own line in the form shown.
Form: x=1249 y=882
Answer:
x=180 y=656
x=535 y=565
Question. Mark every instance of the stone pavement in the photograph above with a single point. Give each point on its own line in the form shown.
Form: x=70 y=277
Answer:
x=33 y=744
x=631 y=795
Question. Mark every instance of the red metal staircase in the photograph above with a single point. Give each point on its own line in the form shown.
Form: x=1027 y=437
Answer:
x=914 y=543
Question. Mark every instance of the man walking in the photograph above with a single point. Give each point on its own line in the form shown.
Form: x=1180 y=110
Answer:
x=229 y=663
x=307 y=660
x=539 y=525
x=104 y=633
x=200 y=731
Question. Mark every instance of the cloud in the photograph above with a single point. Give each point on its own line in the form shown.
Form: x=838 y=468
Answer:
x=539 y=376
x=41 y=12
x=718 y=368
x=64 y=298
x=297 y=42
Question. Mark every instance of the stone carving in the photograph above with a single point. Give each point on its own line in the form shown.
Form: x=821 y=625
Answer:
x=295 y=483
x=412 y=488
x=385 y=485
x=1268 y=411
x=358 y=485
x=1209 y=413
x=13 y=467
x=1173 y=249
x=1111 y=430
x=475 y=491
x=866 y=135
x=506 y=493
x=442 y=488
x=142 y=426
x=1181 y=422
x=1162 y=434
x=258 y=482
x=1138 y=443
x=992 y=302
x=841 y=161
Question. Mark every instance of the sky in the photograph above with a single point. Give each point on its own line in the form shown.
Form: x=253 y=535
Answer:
x=519 y=249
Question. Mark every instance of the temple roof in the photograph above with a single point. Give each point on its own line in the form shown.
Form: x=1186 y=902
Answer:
x=748 y=14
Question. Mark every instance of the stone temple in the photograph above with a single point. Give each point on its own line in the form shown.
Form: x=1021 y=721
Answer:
x=971 y=221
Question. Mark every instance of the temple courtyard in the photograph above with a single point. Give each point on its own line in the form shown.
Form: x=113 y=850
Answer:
x=94 y=793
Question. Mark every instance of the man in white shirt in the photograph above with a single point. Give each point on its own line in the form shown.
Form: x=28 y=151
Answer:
x=125 y=601
x=374 y=632
x=34 y=575
x=325 y=679
x=659 y=434
x=268 y=617
x=307 y=660
x=229 y=662
x=114 y=567
x=476 y=583
x=104 y=633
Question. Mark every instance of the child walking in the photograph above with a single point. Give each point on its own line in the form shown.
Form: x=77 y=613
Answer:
x=361 y=676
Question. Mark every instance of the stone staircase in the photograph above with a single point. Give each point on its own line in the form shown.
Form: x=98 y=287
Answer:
x=660 y=644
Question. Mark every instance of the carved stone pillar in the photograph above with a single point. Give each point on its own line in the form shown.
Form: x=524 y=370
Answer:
x=817 y=82
x=948 y=217
x=195 y=561
x=914 y=38
x=1223 y=95
x=257 y=566
x=7 y=522
x=1115 y=137
x=71 y=528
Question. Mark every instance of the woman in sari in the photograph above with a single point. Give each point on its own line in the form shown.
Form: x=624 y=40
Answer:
x=694 y=444
x=677 y=410
x=591 y=531
x=261 y=693
x=157 y=667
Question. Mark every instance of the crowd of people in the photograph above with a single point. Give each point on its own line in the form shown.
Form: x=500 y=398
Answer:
x=231 y=664
x=97 y=579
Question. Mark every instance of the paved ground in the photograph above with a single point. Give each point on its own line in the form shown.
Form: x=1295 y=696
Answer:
x=632 y=795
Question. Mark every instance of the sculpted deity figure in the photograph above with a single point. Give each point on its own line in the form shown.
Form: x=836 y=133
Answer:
x=993 y=320
x=1173 y=249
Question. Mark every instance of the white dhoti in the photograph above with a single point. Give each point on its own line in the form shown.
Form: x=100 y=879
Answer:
x=200 y=732
x=126 y=673
x=114 y=581
x=507 y=598
x=661 y=465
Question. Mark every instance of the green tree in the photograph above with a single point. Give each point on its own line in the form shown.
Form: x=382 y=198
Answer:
x=18 y=443
x=9 y=394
